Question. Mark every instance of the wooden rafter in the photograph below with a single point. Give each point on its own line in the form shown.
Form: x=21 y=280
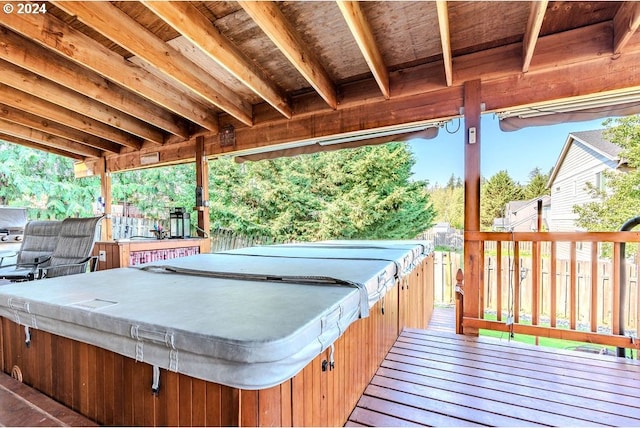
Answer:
x=536 y=16
x=46 y=139
x=31 y=56
x=32 y=145
x=88 y=53
x=445 y=39
x=625 y=24
x=269 y=18
x=26 y=81
x=50 y=111
x=20 y=117
x=145 y=45
x=361 y=30
x=188 y=21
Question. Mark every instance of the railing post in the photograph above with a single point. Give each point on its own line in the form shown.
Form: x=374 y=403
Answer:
x=459 y=301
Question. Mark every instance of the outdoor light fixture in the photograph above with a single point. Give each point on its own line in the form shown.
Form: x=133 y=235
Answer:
x=228 y=136
x=179 y=223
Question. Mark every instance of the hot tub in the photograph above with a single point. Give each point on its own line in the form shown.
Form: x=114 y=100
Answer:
x=276 y=331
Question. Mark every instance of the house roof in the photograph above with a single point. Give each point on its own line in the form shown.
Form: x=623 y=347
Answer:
x=595 y=140
x=518 y=205
x=120 y=80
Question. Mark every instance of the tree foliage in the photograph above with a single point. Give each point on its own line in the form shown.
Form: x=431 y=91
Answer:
x=154 y=191
x=495 y=193
x=363 y=193
x=621 y=200
x=537 y=185
x=44 y=183
x=448 y=203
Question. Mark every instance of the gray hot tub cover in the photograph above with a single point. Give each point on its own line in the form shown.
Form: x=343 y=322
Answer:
x=249 y=334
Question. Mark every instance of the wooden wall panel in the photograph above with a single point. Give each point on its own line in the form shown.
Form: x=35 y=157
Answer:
x=118 y=252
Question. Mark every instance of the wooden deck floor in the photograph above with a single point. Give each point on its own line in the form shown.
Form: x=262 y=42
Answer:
x=23 y=406
x=436 y=378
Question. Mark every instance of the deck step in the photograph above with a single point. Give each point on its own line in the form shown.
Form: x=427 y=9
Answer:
x=23 y=406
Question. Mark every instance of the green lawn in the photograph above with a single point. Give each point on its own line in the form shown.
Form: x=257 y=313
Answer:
x=542 y=341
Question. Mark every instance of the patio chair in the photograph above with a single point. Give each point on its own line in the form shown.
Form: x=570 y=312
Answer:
x=39 y=240
x=72 y=253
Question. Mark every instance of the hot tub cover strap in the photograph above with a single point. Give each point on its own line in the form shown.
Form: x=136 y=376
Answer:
x=293 y=279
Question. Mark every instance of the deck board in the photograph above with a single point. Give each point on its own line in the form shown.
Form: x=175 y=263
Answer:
x=435 y=377
x=21 y=405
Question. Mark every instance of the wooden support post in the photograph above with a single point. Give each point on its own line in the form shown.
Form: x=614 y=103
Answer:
x=473 y=275
x=105 y=189
x=202 y=186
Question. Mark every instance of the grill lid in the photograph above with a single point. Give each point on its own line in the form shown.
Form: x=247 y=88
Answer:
x=12 y=223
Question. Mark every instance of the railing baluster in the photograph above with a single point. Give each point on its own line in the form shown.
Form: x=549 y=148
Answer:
x=515 y=275
x=535 y=286
x=573 y=289
x=594 y=287
x=615 y=313
x=553 y=280
x=499 y=280
x=588 y=293
x=481 y=270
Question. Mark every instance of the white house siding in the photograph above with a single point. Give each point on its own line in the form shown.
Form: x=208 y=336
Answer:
x=580 y=166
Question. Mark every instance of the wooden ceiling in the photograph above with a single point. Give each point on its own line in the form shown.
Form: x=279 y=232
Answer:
x=117 y=80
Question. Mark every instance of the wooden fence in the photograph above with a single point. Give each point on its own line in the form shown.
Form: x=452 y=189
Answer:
x=543 y=294
x=583 y=287
x=226 y=239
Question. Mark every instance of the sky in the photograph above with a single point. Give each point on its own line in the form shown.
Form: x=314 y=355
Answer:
x=517 y=152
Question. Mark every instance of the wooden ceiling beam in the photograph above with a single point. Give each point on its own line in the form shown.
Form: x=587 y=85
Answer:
x=50 y=111
x=445 y=40
x=412 y=103
x=136 y=39
x=625 y=24
x=46 y=139
x=532 y=32
x=552 y=84
x=555 y=51
x=362 y=33
x=20 y=117
x=22 y=142
x=194 y=26
x=33 y=57
x=59 y=37
x=28 y=82
x=267 y=15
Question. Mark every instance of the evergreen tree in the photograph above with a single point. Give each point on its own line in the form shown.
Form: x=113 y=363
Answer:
x=495 y=193
x=45 y=184
x=537 y=185
x=363 y=193
x=448 y=204
x=154 y=191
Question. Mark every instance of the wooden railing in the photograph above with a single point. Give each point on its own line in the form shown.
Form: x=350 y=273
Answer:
x=565 y=285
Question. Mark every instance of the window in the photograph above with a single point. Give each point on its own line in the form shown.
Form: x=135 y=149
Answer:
x=601 y=181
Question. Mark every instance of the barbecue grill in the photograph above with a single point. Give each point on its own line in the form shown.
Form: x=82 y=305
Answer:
x=12 y=223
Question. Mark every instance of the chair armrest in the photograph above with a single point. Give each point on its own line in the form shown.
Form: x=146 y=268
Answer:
x=6 y=254
x=91 y=260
